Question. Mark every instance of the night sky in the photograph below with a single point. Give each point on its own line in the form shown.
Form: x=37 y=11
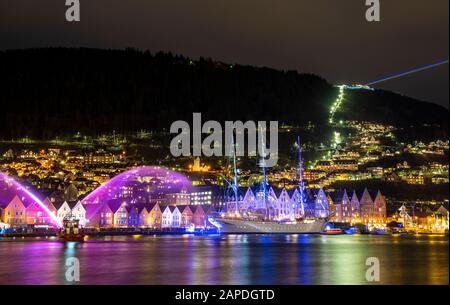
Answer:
x=330 y=38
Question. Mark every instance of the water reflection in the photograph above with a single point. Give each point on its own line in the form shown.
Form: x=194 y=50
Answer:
x=227 y=259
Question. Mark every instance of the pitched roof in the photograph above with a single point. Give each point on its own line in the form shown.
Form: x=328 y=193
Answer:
x=277 y=192
x=58 y=204
x=373 y=194
x=442 y=211
x=206 y=207
x=151 y=206
x=173 y=208
x=93 y=208
x=138 y=207
x=359 y=194
x=196 y=208
x=291 y=192
x=337 y=196
x=183 y=207
x=48 y=203
x=132 y=208
x=163 y=208
x=115 y=205
x=72 y=204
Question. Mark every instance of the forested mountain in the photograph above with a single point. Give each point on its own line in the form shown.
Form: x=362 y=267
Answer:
x=59 y=91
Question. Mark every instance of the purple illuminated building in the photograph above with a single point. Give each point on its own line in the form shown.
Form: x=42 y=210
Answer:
x=16 y=200
x=139 y=185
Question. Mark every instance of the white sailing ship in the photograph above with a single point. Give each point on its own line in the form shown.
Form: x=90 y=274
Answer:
x=263 y=212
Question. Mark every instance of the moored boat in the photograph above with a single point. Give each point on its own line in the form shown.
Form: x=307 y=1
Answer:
x=379 y=231
x=333 y=231
x=71 y=230
x=399 y=232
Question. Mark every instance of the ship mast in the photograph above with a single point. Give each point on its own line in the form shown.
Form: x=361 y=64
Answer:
x=301 y=184
x=235 y=180
x=264 y=178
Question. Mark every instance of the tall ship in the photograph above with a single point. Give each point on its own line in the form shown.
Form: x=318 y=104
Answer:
x=262 y=211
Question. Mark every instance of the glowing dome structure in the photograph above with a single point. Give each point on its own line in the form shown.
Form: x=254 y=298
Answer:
x=139 y=185
x=10 y=188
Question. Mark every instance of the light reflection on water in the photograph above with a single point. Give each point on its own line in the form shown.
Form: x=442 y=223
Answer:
x=227 y=259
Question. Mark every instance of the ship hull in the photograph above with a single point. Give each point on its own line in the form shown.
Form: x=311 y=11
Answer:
x=72 y=237
x=269 y=227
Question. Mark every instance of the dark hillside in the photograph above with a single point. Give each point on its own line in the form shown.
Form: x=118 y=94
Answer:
x=60 y=91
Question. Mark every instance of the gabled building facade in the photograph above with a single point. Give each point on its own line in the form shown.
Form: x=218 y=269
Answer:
x=154 y=216
x=14 y=213
x=199 y=218
x=166 y=219
x=38 y=216
x=79 y=212
x=186 y=216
